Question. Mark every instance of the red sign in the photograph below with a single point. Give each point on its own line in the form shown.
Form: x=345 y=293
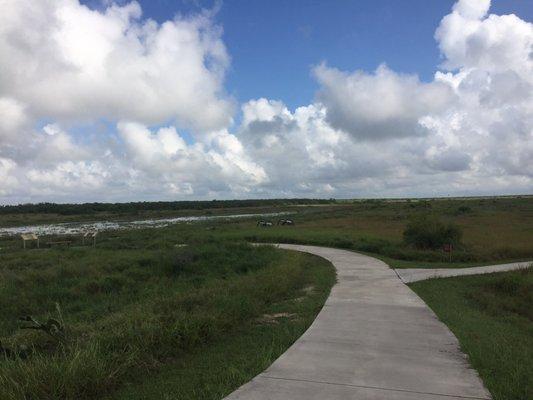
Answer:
x=448 y=248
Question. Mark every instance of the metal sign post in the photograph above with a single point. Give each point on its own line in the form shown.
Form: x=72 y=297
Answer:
x=448 y=248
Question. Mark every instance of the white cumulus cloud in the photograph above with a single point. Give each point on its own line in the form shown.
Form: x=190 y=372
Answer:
x=379 y=105
x=163 y=158
x=106 y=105
x=64 y=60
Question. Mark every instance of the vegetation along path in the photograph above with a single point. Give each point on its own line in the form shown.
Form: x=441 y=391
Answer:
x=374 y=339
x=409 y=275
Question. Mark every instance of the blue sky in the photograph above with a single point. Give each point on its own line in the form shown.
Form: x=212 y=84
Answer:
x=274 y=44
x=259 y=99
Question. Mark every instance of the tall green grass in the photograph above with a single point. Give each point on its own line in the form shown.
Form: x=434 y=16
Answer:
x=492 y=317
x=129 y=312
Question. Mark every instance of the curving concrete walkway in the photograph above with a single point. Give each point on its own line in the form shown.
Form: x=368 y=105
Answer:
x=374 y=339
x=409 y=275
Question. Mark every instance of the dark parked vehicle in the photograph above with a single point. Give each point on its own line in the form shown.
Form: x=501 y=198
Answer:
x=285 y=222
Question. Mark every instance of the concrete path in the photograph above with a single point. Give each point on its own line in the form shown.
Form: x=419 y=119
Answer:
x=409 y=275
x=374 y=339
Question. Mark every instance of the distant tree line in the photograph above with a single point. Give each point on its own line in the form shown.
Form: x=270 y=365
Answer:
x=133 y=207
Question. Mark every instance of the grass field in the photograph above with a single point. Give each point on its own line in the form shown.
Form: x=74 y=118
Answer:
x=145 y=317
x=495 y=230
x=492 y=316
x=130 y=313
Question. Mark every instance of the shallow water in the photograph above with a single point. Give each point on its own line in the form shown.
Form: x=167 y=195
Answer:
x=79 y=227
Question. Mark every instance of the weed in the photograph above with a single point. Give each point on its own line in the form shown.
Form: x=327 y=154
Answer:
x=428 y=232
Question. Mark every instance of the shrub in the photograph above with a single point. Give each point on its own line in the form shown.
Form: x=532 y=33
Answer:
x=428 y=232
x=463 y=210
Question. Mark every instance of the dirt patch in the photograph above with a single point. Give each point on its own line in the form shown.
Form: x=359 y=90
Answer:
x=308 y=289
x=273 y=319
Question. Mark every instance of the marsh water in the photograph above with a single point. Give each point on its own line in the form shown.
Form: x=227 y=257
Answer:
x=79 y=227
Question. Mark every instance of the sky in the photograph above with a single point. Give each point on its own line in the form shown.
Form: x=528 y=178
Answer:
x=106 y=100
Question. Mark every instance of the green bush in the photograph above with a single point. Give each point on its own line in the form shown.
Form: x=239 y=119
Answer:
x=429 y=232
